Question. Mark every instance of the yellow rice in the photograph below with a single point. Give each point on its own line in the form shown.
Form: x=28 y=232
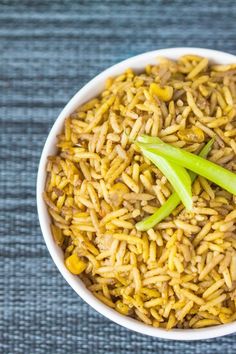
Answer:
x=182 y=272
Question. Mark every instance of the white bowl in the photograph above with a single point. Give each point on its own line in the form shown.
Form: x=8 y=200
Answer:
x=90 y=90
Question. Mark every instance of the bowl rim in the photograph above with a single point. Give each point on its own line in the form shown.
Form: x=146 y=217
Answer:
x=56 y=253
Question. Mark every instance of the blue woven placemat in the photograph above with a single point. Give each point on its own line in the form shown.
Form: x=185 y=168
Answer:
x=49 y=49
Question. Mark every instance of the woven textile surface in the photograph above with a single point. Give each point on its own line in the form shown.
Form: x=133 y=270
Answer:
x=50 y=49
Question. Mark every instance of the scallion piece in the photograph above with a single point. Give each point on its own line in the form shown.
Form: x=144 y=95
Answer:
x=213 y=172
x=172 y=202
x=162 y=213
x=176 y=175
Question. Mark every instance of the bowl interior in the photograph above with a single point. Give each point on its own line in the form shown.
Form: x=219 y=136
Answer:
x=92 y=89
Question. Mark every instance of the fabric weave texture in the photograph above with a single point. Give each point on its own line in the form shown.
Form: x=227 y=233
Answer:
x=50 y=49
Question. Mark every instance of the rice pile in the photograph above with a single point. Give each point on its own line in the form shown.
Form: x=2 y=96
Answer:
x=182 y=273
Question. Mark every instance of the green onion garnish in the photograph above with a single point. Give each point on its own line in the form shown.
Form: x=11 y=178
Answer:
x=176 y=175
x=213 y=172
x=173 y=201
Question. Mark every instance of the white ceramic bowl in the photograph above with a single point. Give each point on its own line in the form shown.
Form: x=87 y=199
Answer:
x=90 y=90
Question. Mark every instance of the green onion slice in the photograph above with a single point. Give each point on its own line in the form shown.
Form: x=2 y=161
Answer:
x=213 y=172
x=173 y=201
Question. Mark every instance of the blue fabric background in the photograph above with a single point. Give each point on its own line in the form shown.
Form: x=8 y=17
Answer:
x=48 y=50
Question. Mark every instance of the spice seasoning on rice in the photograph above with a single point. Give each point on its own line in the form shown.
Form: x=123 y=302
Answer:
x=181 y=273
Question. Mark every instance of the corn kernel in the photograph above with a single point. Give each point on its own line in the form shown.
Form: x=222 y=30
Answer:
x=116 y=193
x=138 y=83
x=164 y=93
x=74 y=264
x=122 y=308
x=192 y=135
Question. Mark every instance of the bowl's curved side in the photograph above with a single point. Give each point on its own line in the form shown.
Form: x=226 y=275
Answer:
x=90 y=90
